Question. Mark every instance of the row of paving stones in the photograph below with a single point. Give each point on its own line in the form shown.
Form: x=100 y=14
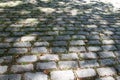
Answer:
x=106 y=73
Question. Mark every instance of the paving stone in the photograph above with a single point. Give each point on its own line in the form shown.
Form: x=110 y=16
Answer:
x=41 y=44
x=69 y=56
x=46 y=65
x=65 y=37
x=62 y=75
x=109 y=47
x=58 y=49
x=22 y=44
x=18 y=50
x=29 y=58
x=118 y=77
x=106 y=54
x=77 y=42
x=21 y=68
x=49 y=57
x=6 y=59
x=12 y=39
x=94 y=48
x=108 y=42
x=105 y=62
x=68 y=64
x=2 y=51
x=107 y=71
x=59 y=43
x=78 y=37
x=117 y=53
x=89 y=55
x=3 y=69
x=4 y=45
x=84 y=73
x=76 y=49
x=88 y=63
x=10 y=77
x=94 y=42
x=39 y=50
x=35 y=76
x=106 y=78
x=28 y=38
x=48 y=38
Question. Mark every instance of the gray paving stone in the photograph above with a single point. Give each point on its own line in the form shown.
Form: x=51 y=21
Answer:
x=2 y=51
x=77 y=42
x=49 y=57
x=69 y=56
x=59 y=43
x=28 y=58
x=21 y=68
x=22 y=44
x=88 y=63
x=35 y=76
x=108 y=42
x=5 y=45
x=68 y=64
x=78 y=37
x=76 y=49
x=12 y=39
x=84 y=73
x=48 y=38
x=6 y=59
x=10 y=77
x=62 y=75
x=109 y=47
x=3 y=69
x=28 y=38
x=18 y=50
x=58 y=49
x=46 y=65
x=105 y=62
x=117 y=53
x=118 y=77
x=39 y=50
x=106 y=78
x=41 y=44
x=106 y=71
x=94 y=42
x=106 y=54
x=65 y=37
x=94 y=48
x=89 y=55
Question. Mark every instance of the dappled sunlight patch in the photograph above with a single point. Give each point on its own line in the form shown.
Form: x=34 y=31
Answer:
x=28 y=21
x=23 y=12
x=10 y=3
x=46 y=9
x=46 y=1
x=74 y=12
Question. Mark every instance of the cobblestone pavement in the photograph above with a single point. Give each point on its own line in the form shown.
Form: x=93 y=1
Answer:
x=59 y=40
